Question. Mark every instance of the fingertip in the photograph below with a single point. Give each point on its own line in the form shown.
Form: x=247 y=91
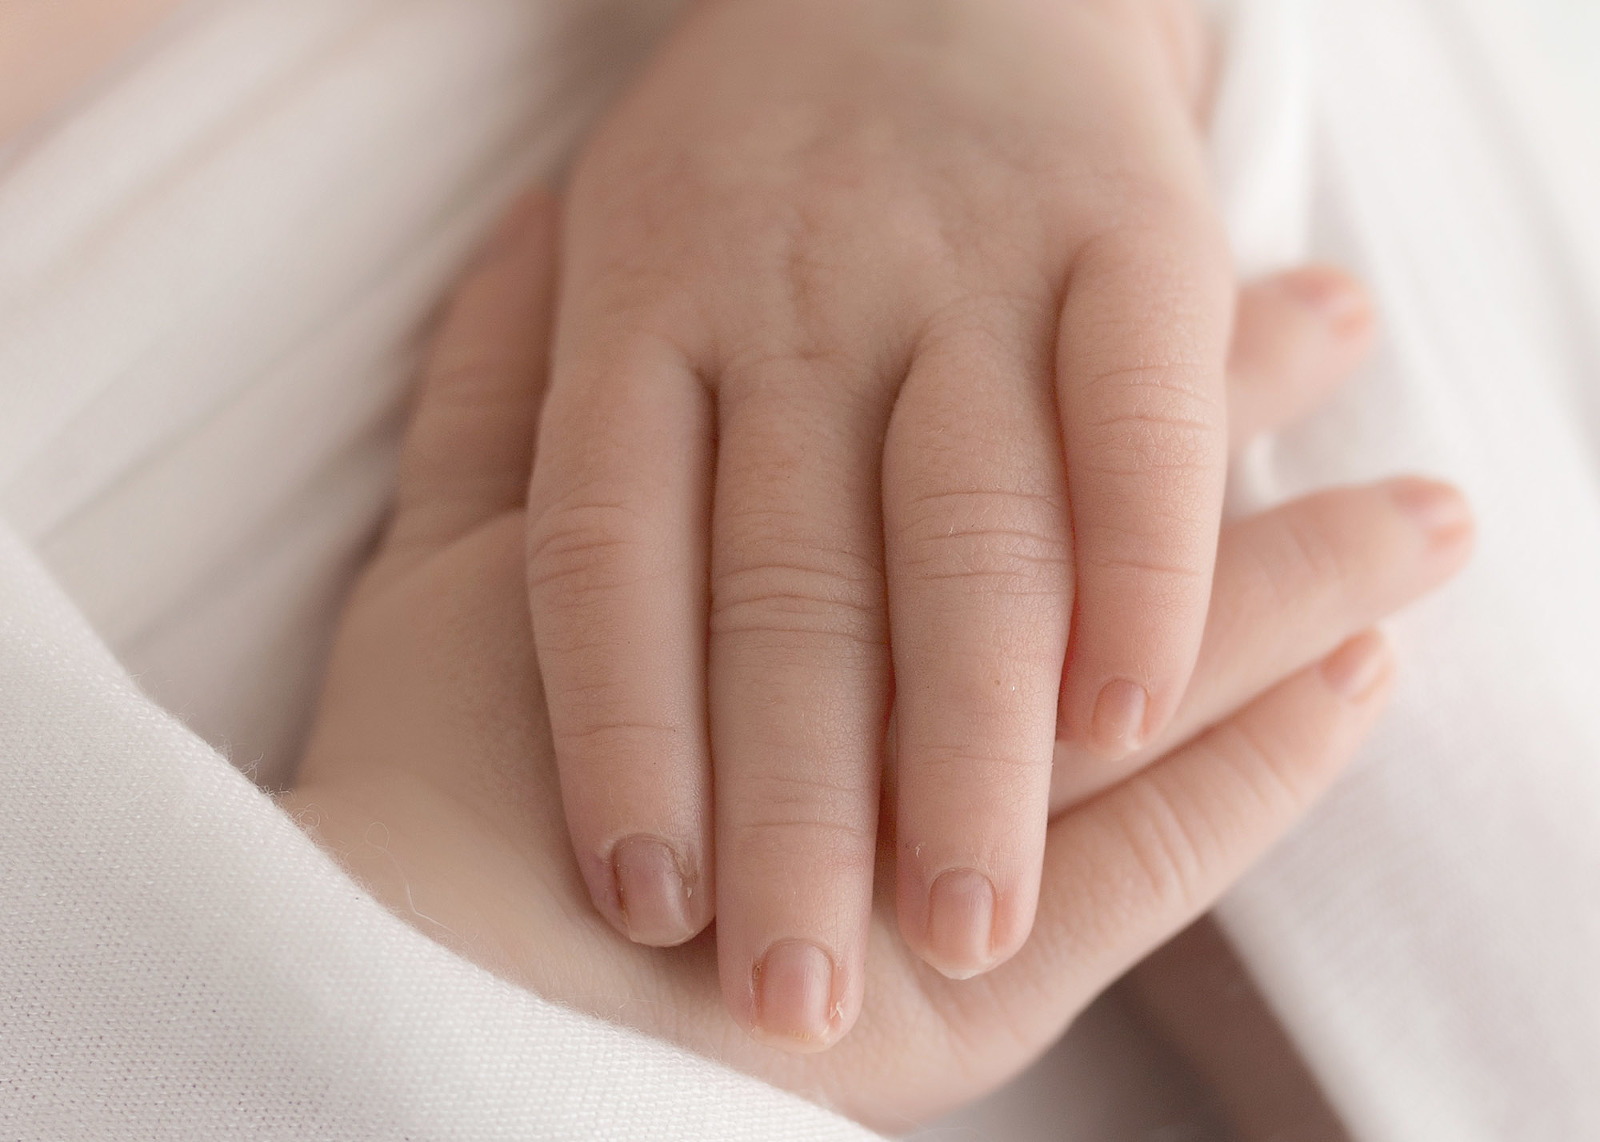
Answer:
x=1117 y=725
x=1361 y=669
x=959 y=933
x=798 y=1003
x=1335 y=298
x=657 y=894
x=1438 y=510
x=960 y=921
x=1297 y=336
x=1108 y=715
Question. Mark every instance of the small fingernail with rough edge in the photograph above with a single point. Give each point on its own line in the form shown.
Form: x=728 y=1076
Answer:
x=651 y=892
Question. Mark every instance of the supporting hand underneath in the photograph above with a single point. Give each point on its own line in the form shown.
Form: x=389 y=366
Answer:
x=431 y=774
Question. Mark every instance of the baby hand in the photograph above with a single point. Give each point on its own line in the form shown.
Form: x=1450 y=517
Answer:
x=883 y=323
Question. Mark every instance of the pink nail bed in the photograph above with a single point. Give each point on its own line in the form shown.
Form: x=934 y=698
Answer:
x=1119 y=713
x=794 y=992
x=961 y=908
x=651 y=892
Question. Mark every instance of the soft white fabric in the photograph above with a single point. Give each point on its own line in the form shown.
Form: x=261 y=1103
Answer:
x=211 y=278
x=1430 y=935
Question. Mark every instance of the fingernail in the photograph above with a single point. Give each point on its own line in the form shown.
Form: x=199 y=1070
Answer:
x=1438 y=509
x=961 y=923
x=652 y=893
x=1357 y=667
x=794 y=992
x=1336 y=298
x=1119 y=717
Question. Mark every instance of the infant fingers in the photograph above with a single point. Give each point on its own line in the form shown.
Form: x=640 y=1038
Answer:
x=1128 y=869
x=616 y=577
x=1297 y=335
x=799 y=696
x=980 y=587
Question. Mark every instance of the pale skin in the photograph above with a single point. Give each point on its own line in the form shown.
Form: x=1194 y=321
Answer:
x=888 y=373
x=1282 y=358
x=922 y=263
x=432 y=774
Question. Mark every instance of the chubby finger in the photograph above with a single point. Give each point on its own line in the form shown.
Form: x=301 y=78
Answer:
x=1296 y=336
x=980 y=587
x=799 y=695
x=1142 y=346
x=1291 y=584
x=469 y=448
x=618 y=517
x=1126 y=870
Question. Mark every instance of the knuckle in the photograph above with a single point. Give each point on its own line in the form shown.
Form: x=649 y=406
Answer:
x=1184 y=839
x=624 y=317
x=987 y=326
x=822 y=854
x=1012 y=775
x=810 y=384
x=992 y=542
x=1147 y=566
x=595 y=735
x=806 y=820
x=1177 y=574
x=1328 y=554
x=583 y=549
x=464 y=388
x=1306 y=560
x=1159 y=214
x=591 y=701
x=1157 y=432
x=799 y=831
x=1260 y=764
x=823 y=596
x=1171 y=848
x=807 y=798
x=1164 y=595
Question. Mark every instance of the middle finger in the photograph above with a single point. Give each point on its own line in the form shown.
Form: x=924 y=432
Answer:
x=799 y=672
